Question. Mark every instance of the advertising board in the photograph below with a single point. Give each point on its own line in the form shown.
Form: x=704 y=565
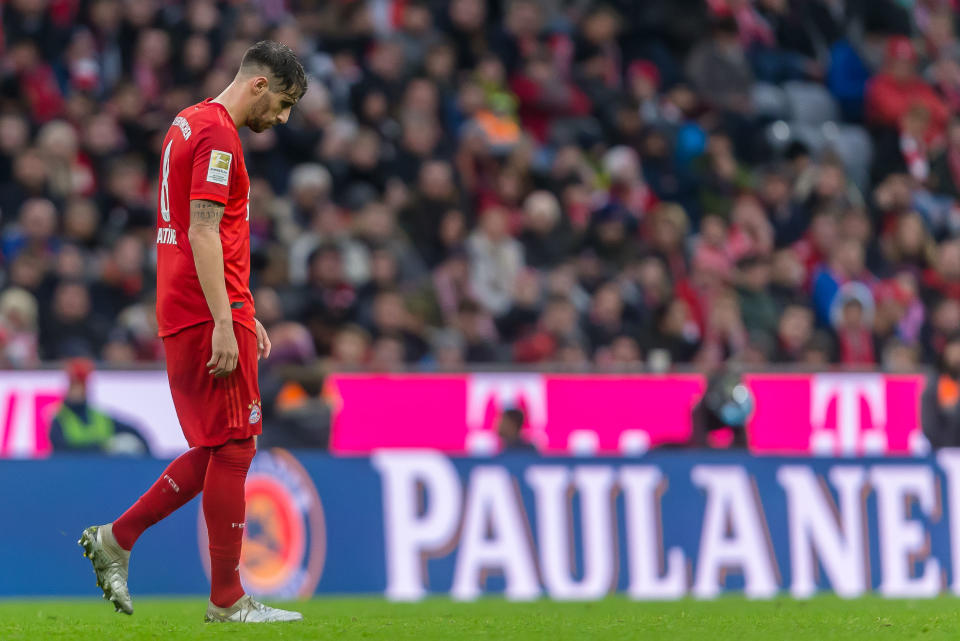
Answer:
x=406 y=524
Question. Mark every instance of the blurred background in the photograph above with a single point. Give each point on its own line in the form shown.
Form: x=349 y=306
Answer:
x=654 y=186
x=560 y=227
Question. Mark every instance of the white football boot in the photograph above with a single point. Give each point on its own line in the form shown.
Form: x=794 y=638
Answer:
x=110 y=563
x=248 y=610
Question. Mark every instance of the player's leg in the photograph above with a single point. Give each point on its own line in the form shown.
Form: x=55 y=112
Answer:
x=179 y=483
x=198 y=405
x=224 y=508
x=224 y=503
x=108 y=546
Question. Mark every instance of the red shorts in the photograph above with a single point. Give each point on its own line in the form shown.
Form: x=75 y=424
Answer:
x=212 y=410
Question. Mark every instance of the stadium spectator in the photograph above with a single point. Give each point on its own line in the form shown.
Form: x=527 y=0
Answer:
x=299 y=415
x=676 y=331
x=509 y=428
x=757 y=306
x=496 y=260
x=794 y=332
x=719 y=69
x=853 y=333
x=546 y=98
x=940 y=404
x=546 y=237
x=897 y=88
x=18 y=329
x=945 y=168
x=77 y=427
x=69 y=328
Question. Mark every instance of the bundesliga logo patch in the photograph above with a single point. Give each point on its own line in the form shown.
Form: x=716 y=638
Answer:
x=255 y=413
x=219 y=169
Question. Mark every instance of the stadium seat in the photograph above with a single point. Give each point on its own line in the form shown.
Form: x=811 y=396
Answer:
x=810 y=102
x=770 y=101
x=852 y=143
x=810 y=134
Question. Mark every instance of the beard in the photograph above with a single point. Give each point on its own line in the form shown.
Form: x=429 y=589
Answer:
x=257 y=121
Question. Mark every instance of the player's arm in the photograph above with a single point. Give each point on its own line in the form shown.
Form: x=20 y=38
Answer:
x=204 y=235
x=263 y=341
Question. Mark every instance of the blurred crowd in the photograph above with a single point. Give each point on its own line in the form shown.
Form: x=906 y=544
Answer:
x=561 y=183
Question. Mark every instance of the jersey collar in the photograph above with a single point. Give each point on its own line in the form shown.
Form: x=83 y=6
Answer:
x=209 y=101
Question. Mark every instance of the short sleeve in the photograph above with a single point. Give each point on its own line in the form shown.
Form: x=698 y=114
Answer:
x=213 y=164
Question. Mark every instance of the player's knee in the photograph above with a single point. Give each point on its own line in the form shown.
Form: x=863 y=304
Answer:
x=236 y=453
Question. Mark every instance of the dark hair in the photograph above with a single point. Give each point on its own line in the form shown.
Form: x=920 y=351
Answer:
x=853 y=301
x=798 y=302
x=796 y=149
x=558 y=299
x=515 y=416
x=321 y=250
x=280 y=60
x=468 y=306
x=726 y=25
x=952 y=337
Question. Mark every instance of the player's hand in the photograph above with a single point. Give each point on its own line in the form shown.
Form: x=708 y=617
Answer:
x=226 y=353
x=263 y=341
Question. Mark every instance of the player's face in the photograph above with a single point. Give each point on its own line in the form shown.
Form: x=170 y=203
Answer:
x=271 y=109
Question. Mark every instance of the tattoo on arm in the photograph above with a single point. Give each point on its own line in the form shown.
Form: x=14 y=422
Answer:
x=206 y=214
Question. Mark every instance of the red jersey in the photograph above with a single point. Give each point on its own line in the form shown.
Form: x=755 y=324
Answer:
x=201 y=160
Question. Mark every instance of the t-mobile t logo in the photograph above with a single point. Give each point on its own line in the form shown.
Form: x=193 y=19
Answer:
x=854 y=432
x=503 y=391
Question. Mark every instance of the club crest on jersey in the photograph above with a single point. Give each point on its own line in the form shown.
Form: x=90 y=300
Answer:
x=255 y=413
x=218 y=171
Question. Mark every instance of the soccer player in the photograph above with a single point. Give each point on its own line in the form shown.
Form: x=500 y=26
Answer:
x=211 y=338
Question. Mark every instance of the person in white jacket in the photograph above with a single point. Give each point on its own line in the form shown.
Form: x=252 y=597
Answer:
x=496 y=259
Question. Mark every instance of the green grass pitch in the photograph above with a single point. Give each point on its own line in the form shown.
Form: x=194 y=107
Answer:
x=735 y=618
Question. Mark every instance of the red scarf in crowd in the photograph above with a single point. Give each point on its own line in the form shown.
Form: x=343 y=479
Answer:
x=856 y=347
x=915 y=155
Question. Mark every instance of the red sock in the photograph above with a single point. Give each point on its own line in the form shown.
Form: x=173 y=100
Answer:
x=179 y=483
x=224 y=508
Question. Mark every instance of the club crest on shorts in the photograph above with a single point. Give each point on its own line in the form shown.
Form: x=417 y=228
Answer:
x=255 y=413
x=284 y=536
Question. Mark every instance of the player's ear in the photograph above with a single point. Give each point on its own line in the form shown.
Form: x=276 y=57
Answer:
x=260 y=85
